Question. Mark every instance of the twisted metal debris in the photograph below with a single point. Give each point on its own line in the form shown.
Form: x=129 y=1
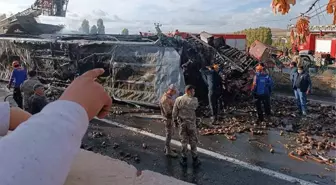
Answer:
x=137 y=69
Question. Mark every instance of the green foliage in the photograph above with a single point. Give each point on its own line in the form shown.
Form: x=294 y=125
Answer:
x=124 y=31
x=263 y=34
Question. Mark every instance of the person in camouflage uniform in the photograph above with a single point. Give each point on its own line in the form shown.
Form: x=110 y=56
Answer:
x=28 y=89
x=184 y=116
x=166 y=106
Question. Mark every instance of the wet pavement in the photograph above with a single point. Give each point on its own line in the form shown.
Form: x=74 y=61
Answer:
x=127 y=145
x=249 y=148
x=119 y=143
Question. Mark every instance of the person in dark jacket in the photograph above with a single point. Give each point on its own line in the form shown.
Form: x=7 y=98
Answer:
x=27 y=88
x=261 y=89
x=37 y=101
x=213 y=81
x=18 y=76
x=302 y=87
x=293 y=73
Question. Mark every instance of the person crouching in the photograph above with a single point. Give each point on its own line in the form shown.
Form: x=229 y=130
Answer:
x=38 y=100
x=262 y=88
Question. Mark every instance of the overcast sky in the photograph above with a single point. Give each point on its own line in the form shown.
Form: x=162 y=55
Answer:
x=185 y=15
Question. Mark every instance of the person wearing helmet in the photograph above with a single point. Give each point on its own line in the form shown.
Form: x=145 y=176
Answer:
x=261 y=89
x=18 y=76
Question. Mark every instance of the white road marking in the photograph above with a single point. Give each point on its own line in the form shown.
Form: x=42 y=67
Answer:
x=217 y=155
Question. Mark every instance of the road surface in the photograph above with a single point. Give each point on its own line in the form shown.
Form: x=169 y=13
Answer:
x=244 y=161
x=213 y=170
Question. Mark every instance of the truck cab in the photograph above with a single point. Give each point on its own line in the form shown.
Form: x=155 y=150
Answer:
x=319 y=47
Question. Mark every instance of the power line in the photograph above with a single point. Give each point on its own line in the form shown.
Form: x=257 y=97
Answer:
x=318 y=13
x=325 y=19
x=318 y=17
x=311 y=13
x=311 y=7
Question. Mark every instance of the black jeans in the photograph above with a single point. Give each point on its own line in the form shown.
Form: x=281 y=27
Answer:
x=265 y=100
x=213 y=103
x=17 y=96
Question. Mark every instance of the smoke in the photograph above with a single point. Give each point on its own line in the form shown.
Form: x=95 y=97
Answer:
x=66 y=30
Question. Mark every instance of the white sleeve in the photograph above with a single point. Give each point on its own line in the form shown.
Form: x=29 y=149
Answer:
x=40 y=151
x=4 y=118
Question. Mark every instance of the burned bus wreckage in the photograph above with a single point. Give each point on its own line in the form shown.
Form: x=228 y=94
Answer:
x=137 y=69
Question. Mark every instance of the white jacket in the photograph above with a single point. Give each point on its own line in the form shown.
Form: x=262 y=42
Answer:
x=40 y=151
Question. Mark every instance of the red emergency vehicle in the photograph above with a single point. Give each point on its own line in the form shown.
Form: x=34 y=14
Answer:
x=319 y=45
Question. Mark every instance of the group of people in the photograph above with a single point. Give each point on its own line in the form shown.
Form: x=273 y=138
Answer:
x=181 y=112
x=33 y=99
x=262 y=87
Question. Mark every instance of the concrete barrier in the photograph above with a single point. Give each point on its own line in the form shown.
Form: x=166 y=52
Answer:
x=90 y=168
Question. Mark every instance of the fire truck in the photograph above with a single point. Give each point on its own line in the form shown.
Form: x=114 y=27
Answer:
x=319 y=46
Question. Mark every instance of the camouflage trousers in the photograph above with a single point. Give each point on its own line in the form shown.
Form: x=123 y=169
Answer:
x=188 y=135
x=169 y=132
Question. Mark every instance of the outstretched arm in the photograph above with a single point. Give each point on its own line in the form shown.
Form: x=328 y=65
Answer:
x=41 y=150
x=10 y=118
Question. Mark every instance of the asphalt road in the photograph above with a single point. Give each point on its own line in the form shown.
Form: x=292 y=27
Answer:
x=212 y=171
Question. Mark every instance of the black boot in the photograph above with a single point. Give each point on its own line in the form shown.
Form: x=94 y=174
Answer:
x=183 y=161
x=196 y=162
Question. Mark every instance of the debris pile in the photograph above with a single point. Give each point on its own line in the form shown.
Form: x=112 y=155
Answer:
x=241 y=118
x=130 y=63
x=310 y=148
x=233 y=65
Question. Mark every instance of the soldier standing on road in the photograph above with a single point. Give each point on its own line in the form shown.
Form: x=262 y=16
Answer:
x=166 y=106
x=28 y=88
x=184 y=116
x=262 y=88
x=18 y=76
